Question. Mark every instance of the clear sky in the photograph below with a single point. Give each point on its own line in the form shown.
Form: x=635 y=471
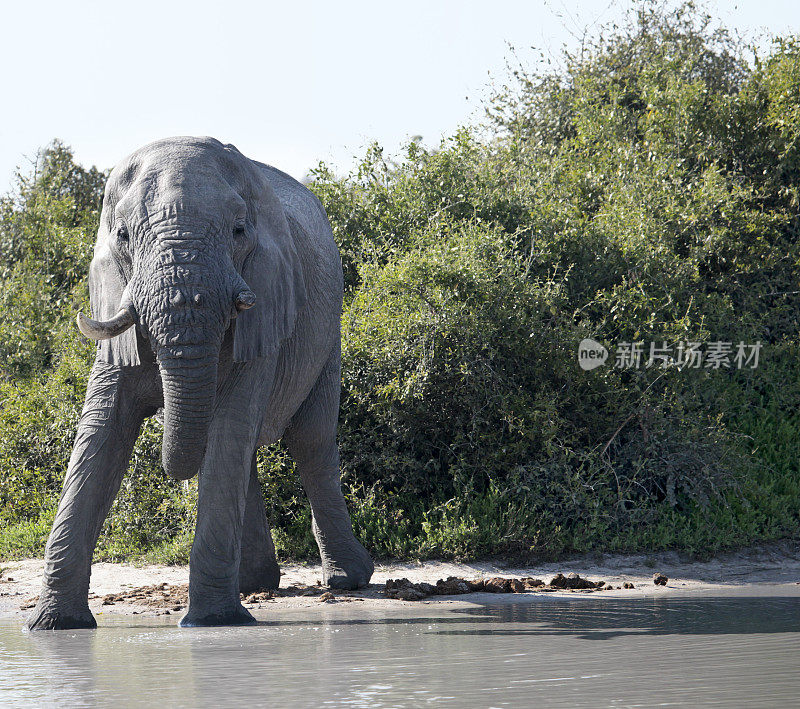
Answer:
x=288 y=83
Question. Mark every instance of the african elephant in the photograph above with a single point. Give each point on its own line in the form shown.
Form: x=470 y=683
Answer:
x=216 y=293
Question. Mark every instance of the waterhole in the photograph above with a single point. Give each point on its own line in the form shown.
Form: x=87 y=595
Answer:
x=697 y=651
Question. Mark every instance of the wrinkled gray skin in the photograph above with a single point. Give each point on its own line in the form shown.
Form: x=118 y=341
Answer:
x=216 y=292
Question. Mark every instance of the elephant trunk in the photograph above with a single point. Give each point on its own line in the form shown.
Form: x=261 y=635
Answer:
x=189 y=378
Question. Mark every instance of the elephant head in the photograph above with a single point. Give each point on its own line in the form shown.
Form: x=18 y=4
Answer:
x=192 y=241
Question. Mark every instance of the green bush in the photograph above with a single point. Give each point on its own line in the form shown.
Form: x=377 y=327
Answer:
x=644 y=190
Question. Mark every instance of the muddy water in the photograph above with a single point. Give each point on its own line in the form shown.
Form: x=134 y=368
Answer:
x=585 y=652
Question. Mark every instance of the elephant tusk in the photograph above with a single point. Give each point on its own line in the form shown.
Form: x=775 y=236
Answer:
x=245 y=300
x=106 y=329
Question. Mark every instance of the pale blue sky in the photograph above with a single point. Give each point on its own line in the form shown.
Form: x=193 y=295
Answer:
x=288 y=83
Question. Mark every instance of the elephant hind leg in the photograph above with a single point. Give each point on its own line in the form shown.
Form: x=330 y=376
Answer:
x=311 y=441
x=258 y=568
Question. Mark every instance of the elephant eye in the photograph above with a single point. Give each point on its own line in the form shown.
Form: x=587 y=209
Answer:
x=122 y=232
x=238 y=226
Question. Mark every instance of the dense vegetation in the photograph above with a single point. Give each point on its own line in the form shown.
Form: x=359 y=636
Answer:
x=645 y=190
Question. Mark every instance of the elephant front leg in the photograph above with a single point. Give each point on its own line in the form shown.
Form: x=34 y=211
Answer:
x=216 y=550
x=223 y=485
x=258 y=568
x=106 y=433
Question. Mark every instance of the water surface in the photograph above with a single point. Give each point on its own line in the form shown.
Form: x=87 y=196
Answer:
x=554 y=652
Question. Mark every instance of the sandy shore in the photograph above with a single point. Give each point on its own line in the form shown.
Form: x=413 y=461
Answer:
x=765 y=569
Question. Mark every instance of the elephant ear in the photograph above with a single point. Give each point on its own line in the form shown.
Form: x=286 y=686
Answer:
x=106 y=285
x=274 y=272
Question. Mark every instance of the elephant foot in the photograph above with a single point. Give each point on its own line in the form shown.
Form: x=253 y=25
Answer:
x=351 y=568
x=46 y=617
x=203 y=619
x=263 y=576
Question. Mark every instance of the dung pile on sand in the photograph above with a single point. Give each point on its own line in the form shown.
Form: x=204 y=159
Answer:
x=163 y=595
x=166 y=598
x=176 y=597
x=406 y=590
x=157 y=596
